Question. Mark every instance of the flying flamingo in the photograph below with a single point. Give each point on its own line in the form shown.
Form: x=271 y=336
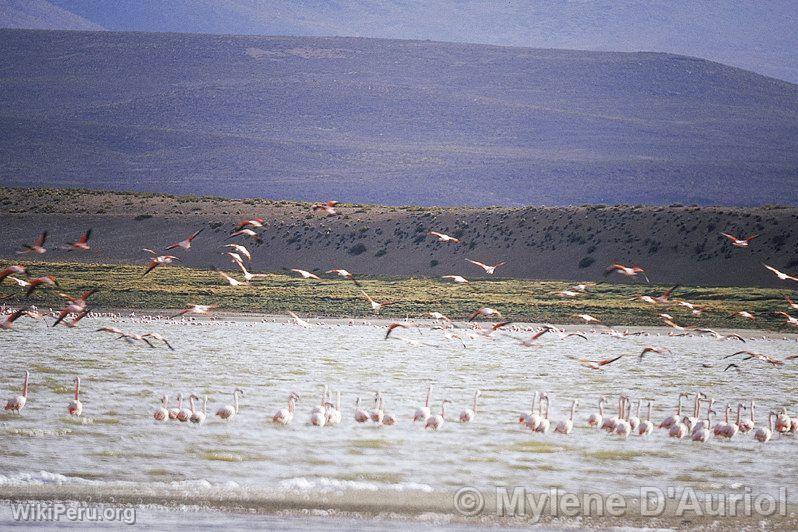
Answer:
x=790 y=320
x=15 y=404
x=198 y=416
x=195 y=309
x=230 y=280
x=361 y=415
x=327 y=206
x=375 y=305
x=781 y=275
x=646 y=426
x=740 y=242
x=247 y=275
x=792 y=304
x=46 y=280
x=184 y=244
x=422 y=413
x=229 y=412
x=470 y=413
x=158 y=260
x=626 y=271
x=566 y=426
x=456 y=278
x=306 y=274
x=484 y=311
x=161 y=413
x=37 y=247
x=8 y=323
x=442 y=237
x=598 y=364
x=340 y=272
x=75 y=407
x=173 y=412
x=595 y=419
x=15 y=269
x=285 y=415
x=255 y=222
x=76 y=305
x=246 y=232
x=435 y=422
x=490 y=270
x=240 y=250
x=763 y=434
x=81 y=244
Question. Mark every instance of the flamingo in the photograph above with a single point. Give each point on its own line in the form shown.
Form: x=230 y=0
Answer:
x=622 y=427
x=195 y=309
x=609 y=423
x=566 y=426
x=8 y=323
x=75 y=407
x=595 y=420
x=721 y=427
x=285 y=415
x=361 y=414
x=740 y=242
x=246 y=232
x=377 y=415
x=81 y=244
x=327 y=206
x=531 y=419
x=763 y=434
x=340 y=272
x=456 y=278
x=598 y=364
x=306 y=274
x=299 y=321
x=469 y=414
x=543 y=426
x=15 y=404
x=376 y=306
x=229 y=412
x=587 y=318
x=14 y=269
x=184 y=244
x=490 y=270
x=46 y=280
x=161 y=413
x=747 y=425
x=334 y=415
x=240 y=250
x=173 y=412
x=790 y=320
x=442 y=237
x=626 y=271
x=646 y=426
x=159 y=260
x=37 y=247
x=255 y=222
x=230 y=280
x=484 y=311
x=198 y=416
x=634 y=421
x=184 y=414
x=247 y=275
x=792 y=304
x=783 y=421
x=669 y=421
x=76 y=305
x=691 y=421
x=390 y=419
x=702 y=432
x=435 y=422
x=781 y=275
x=422 y=413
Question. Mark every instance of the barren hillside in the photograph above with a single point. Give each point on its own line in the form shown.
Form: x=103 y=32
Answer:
x=676 y=244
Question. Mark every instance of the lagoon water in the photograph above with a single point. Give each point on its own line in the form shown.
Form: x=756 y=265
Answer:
x=116 y=451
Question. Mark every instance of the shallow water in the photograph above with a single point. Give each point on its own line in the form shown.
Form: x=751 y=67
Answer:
x=117 y=448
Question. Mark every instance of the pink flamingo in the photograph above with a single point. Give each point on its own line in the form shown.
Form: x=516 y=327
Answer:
x=377 y=415
x=15 y=404
x=783 y=421
x=423 y=412
x=609 y=422
x=747 y=425
x=285 y=415
x=334 y=415
x=361 y=415
x=390 y=419
x=230 y=411
x=763 y=434
x=173 y=412
x=543 y=426
x=198 y=416
x=567 y=425
x=75 y=408
x=595 y=420
x=646 y=426
x=622 y=427
x=721 y=426
x=161 y=413
x=185 y=413
x=702 y=433
x=671 y=420
x=435 y=422
x=469 y=414
x=531 y=418
x=634 y=420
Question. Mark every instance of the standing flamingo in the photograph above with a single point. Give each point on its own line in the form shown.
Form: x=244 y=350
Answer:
x=623 y=428
x=691 y=421
x=185 y=413
x=469 y=414
x=747 y=425
x=377 y=415
x=173 y=412
x=390 y=419
x=595 y=420
x=609 y=422
x=15 y=404
x=567 y=425
x=646 y=426
x=702 y=423
x=75 y=407
x=543 y=426
x=161 y=413
x=361 y=415
x=671 y=420
x=721 y=427
x=763 y=434
x=634 y=420
x=702 y=432
x=227 y=411
x=783 y=421
x=285 y=415
x=423 y=412
x=435 y=422
x=198 y=416
x=526 y=417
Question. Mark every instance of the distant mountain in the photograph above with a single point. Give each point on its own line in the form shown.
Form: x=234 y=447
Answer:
x=390 y=122
x=758 y=36
x=41 y=15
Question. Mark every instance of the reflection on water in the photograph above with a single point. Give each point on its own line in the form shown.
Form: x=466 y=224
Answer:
x=118 y=446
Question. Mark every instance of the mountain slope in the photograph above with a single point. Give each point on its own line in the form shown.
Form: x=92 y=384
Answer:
x=42 y=15
x=392 y=122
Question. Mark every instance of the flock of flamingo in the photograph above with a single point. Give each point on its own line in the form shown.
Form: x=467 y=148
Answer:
x=328 y=412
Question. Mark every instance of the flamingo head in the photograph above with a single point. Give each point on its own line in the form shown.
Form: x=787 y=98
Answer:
x=238 y=391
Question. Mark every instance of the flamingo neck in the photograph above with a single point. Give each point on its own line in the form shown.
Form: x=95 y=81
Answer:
x=739 y=408
x=679 y=407
x=648 y=415
x=77 y=389
x=235 y=400
x=165 y=401
x=475 y=403
x=205 y=405
x=191 y=402
x=25 y=386
x=291 y=405
x=429 y=395
x=573 y=410
x=601 y=407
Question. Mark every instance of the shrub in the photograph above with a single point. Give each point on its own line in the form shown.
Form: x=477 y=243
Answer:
x=587 y=261
x=357 y=249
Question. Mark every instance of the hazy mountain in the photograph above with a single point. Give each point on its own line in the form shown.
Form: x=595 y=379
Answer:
x=392 y=122
x=758 y=36
x=41 y=15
